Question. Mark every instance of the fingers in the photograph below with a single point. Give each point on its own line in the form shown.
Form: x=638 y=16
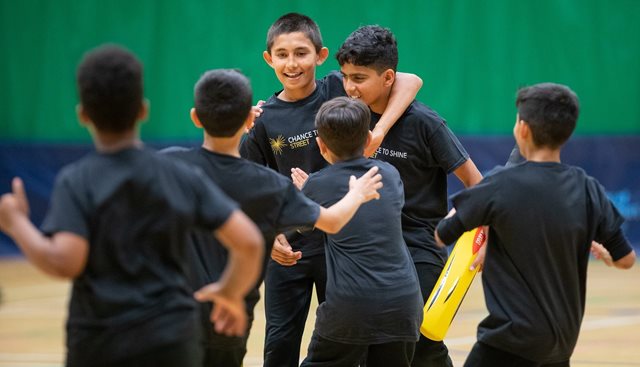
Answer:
x=283 y=254
x=21 y=197
x=299 y=177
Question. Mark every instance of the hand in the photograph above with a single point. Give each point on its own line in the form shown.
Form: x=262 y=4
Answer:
x=256 y=111
x=299 y=177
x=601 y=253
x=374 y=144
x=228 y=315
x=13 y=205
x=367 y=185
x=478 y=262
x=282 y=253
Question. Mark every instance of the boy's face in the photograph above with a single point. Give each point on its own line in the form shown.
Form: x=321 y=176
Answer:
x=294 y=59
x=366 y=84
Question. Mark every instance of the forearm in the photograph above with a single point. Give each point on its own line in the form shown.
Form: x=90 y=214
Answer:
x=404 y=91
x=332 y=219
x=38 y=249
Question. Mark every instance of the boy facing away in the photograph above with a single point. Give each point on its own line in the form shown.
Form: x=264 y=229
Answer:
x=421 y=147
x=283 y=138
x=222 y=109
x=117 y=225
x=542 y=224
x=373 y=306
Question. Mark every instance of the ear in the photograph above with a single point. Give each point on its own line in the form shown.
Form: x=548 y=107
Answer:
x=82 y=115
x=389 y=77
x=267 y=58
x=322 y=146
x=322 y=56
x=144 y=111
x=195 y=119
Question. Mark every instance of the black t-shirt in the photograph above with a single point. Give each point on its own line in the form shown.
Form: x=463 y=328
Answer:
x=135 y=208
x=424 y=150
x=284 y=137
x=268 y=198
x=542 y=217
x=372 y=293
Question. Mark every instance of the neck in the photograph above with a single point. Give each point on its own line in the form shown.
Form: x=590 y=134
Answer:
x=107 y=142
x=289 y=95
x=227 y=146
x=542 y=154
x=379 y=105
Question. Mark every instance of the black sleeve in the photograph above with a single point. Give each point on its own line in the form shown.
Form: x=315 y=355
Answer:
x=446 y=148
x=67 y=212
x=450 y=229
x=608 y=222
x=251 y=146
x=475 y=205
x=297 y=211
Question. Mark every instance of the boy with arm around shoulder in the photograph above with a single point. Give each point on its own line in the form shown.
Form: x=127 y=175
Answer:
x=542 y=225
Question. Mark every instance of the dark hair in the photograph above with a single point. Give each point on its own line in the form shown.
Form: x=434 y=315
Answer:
x=371 y=46
x=343 y=125
x=222 y=101
x=295 y=22
x=109 y=82
x=551 y=111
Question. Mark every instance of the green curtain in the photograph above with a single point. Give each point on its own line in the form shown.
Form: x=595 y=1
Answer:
x=472 y=56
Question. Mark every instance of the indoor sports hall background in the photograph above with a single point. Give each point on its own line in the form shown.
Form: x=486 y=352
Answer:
x=471 y=55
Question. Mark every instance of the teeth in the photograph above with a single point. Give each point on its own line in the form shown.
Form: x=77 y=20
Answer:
x=289 y=75
x=354 y=97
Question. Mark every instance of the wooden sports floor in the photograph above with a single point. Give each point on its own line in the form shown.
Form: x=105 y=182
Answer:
x=33 y=310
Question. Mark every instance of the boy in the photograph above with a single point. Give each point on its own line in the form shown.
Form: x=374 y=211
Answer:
x=117 y=226
x=373 y=306
x=283 y=138
x=421 y=147
x=223 y=109
x=542 y=225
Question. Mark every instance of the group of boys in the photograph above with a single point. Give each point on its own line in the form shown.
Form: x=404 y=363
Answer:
x=133 y=228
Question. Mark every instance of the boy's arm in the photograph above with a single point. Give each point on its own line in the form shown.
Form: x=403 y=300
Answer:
x=63 y=255
x=468 y=173
x=332 y=219
x=404 y=91
x=244 y=242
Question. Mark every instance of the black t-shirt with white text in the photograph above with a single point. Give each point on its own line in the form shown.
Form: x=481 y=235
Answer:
x=135 y=208
x=424 y=150
x=542 y=218
x=284 y=137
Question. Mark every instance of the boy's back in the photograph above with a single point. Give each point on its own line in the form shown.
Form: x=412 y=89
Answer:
x=542 y=223
x=134 y=207
x=372 y=291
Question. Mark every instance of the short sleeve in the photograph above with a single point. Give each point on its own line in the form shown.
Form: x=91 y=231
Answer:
x=67 y=212
x=474 y=205
x=297 y=211
x=607 y=222
x=446 y=149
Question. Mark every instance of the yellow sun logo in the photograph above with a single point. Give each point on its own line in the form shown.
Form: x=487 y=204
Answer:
x=277 y=144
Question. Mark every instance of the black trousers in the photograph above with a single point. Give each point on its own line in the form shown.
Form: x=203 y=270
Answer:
x=326 y=353
x=429 y=353
x=288 y=292
x=483 y=355
x=187 y=354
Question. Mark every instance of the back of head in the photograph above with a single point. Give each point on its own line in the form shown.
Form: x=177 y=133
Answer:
x=295 y=22
x=223 y=100
x=109 y=82
x=551 y=110
x=343 y=126
x=371 y=46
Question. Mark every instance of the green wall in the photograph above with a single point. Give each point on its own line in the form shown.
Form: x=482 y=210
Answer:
x=472 y=55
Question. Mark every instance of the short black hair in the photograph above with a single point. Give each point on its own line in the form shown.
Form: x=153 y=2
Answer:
x=222 y=99
x=551 y=111
x=295 y=22
x=109 y=82
x=343 y=125
x=371 y=46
